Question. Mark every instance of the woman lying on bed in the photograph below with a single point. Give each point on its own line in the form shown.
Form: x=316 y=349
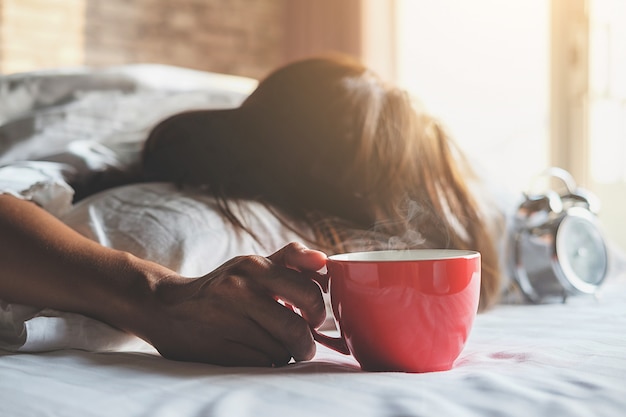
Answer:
x=343 y=160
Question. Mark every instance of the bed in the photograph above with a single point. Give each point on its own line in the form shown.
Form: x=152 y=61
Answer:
x=556 y=359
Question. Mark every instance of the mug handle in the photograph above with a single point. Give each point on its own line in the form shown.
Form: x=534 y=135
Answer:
x=336 y=343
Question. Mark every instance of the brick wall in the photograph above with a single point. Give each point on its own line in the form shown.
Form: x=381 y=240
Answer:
x=242 y=37
x=1 y=33
x=40 y=33
x=231 y=36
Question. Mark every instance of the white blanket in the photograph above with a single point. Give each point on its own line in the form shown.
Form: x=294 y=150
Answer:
x=552 y=360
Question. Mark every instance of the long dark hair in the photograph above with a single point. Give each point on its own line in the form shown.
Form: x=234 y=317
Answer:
x=325 y=142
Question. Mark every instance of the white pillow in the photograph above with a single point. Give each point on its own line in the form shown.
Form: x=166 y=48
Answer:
x=178 y=228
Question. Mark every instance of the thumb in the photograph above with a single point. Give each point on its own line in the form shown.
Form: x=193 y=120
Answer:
x=297 y=256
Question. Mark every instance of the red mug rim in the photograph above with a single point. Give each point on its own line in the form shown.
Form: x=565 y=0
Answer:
x=404 y=255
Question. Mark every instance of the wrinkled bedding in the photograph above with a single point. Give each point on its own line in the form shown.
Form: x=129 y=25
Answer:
x=552 y=360
x=565 y=359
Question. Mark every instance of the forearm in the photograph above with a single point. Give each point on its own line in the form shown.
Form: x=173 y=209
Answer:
x=229 y=316
x=44 y=263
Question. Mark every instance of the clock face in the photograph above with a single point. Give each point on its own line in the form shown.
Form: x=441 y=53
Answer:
x=581 y=251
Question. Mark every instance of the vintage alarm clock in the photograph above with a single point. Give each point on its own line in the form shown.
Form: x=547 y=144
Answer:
x=557 y=243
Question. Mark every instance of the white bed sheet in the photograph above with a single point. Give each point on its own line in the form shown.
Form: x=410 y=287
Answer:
x=553 y=360
x=548 y=360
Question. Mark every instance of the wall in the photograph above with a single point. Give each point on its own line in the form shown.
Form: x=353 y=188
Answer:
x=321 y=26
x=40 y=33
x=491 y=92
x=243 y=37
x=362 y=28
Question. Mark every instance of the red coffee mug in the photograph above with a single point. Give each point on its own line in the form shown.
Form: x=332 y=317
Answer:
x=403 y=310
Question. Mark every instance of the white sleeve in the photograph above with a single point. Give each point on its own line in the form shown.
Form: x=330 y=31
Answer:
x=31 y=329
x=41 y=182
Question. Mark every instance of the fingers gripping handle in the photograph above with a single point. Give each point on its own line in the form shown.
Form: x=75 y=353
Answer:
x=335 y=343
